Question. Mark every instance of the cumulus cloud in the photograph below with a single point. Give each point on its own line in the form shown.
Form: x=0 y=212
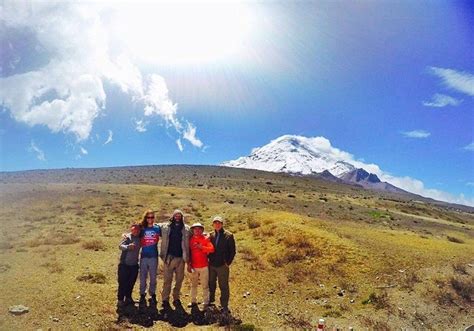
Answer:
x=83 y=151
x=33 y=148
x=460 y=81
x=109 y=138
x=67 y=93
x=419 y=134
x=441 y=100
x=469 y=147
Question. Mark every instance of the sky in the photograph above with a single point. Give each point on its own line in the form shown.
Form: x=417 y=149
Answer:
x=96 y=84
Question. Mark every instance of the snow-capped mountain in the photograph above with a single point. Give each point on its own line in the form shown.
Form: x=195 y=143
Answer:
x=309 y=156
x=294 y=155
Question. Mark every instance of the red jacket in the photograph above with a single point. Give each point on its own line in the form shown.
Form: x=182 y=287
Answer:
x=199 y=255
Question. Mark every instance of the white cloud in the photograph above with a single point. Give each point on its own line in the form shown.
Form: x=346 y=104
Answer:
x=33 y=148
x=470 y=184
x=140 y=125
x=67 y=94
x=460 y=81
x=109 y=138
x=190 y=135
x=469 y=147
x=83 y=151
x=441 y=100
x=419 y=134
x=180 y=145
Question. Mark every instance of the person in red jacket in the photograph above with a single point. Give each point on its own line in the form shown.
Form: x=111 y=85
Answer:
x=200 y=246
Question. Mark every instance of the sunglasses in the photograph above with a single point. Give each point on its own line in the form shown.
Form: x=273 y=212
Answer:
x=150 y=217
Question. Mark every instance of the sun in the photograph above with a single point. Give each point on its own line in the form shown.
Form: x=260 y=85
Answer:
x=179 y=33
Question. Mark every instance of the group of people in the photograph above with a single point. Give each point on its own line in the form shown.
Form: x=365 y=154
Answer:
x=206 y=257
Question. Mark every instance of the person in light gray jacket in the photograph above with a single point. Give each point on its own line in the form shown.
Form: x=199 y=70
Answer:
x=174 y=252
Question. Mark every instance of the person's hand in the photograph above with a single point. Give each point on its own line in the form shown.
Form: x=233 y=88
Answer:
x=199 y=246
x=190 y=269
x=124 y=236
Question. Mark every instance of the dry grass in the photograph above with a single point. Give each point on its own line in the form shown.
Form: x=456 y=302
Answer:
x=289 y=257
x=94 y=244
x=92 y=277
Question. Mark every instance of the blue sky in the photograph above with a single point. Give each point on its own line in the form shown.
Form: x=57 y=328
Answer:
x=391 y=82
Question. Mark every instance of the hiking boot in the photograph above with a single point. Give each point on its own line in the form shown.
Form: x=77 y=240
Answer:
x=177 y=303
x=225 y=310
x=142 y=300
x=153 y=299
x=192 y=304
x=166 y=305
x=129 y=301
x=120 y=304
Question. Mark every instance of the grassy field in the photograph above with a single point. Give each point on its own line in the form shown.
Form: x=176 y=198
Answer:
x=307 y=248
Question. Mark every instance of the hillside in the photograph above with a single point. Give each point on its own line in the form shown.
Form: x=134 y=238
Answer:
x=307 y=247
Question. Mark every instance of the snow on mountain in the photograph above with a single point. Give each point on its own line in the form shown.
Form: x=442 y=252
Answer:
x=309 y=156
x=295 y=155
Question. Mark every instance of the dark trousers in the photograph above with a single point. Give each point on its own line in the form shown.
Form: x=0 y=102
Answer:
x=127 y=276
x=221 y=275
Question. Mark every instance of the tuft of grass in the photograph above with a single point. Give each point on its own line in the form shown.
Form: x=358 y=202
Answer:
x=92 y=277
x=253 y=224
x=54 y=239
x=297 y=248
x=455 y=240
x=54 y=267
x=463 y=287
x=380 y=301
x=94 y=244
x=297 y=322
x=460 y=268
x=249 y=255
x=373 y=324
x=409 y=279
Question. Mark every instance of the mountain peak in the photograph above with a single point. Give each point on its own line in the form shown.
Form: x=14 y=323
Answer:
x=313 y=156
x=294 y=154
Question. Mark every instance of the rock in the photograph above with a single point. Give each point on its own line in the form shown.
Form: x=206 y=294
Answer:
x=321 y=285
x=334 y=286
x=245 y=296
x=55 y=319
x=18 y=309
x=270 y=292
x=248 y=293
x=352 y=300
